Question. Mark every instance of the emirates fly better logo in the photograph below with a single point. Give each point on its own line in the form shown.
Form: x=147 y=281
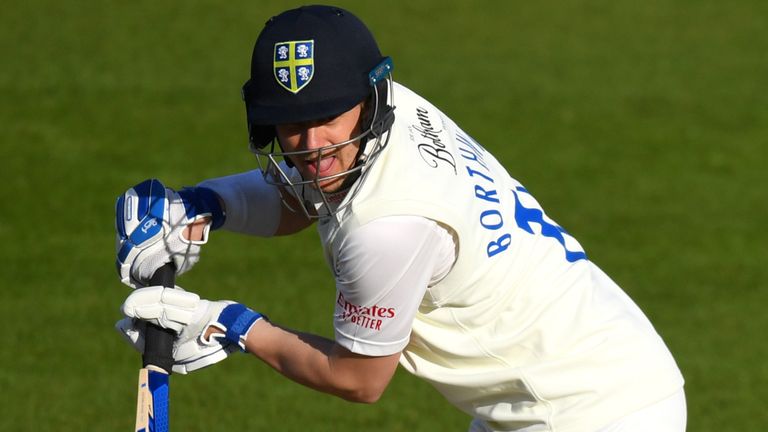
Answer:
x=370 y=317
x=294 y=64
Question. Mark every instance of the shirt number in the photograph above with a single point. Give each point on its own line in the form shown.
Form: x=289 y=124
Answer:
x=526 y=216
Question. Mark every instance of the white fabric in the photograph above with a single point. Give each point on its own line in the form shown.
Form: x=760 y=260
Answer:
x=252 y=206
x=166 y=307
x=524 y=331
x=144 y=259
x=400 y=256
x=668 y=415
x=183 y=312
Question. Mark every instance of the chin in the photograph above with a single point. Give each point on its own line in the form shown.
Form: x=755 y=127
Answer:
x=332 y=186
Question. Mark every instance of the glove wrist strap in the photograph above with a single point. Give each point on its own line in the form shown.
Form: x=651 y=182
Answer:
x=238 y=319
x=199 y=200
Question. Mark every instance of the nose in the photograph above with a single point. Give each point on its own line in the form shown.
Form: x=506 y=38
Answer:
x=312 y=138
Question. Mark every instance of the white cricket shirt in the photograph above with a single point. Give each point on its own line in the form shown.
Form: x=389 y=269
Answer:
x=518 y=328
x=442 y=255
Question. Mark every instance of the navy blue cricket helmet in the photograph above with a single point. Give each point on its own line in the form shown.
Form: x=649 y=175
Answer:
x=308 y=63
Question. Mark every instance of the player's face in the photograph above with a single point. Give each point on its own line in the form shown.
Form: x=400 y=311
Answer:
x=322 y=162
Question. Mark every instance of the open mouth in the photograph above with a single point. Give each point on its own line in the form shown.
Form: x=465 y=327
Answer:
x=322 y=167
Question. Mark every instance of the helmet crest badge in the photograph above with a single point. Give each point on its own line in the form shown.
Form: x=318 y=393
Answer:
x=294 y=64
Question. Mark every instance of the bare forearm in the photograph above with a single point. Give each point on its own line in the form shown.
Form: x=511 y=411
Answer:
x=292 y=353
x=320 y=363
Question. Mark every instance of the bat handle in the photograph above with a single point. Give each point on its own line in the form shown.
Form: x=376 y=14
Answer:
x=158 y=349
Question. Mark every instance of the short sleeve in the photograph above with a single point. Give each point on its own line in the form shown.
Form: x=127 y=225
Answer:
x=382 y=271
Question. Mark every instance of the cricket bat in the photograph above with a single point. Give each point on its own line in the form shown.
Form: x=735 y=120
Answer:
x=152 y=400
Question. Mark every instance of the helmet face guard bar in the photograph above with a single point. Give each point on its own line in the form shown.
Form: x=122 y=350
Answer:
x=270 y=156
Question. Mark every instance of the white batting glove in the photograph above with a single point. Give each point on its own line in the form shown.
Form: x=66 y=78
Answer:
x=150 y=221
x=190 y=317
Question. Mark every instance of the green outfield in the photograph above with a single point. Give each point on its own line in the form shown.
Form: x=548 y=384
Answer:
x=641 y=126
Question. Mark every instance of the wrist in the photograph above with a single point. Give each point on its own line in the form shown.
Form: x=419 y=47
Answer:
x=196 y=231
x=213 y=331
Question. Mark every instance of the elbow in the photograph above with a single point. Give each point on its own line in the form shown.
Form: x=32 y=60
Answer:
x=367 y=394
x=358 y=378
x=364 y=398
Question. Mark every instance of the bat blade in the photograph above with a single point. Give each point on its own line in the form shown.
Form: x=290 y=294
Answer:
x=153 y=389
x=152 y=402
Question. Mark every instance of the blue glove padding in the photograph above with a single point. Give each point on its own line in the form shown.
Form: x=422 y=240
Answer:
x=150 y=220
x=201 y=200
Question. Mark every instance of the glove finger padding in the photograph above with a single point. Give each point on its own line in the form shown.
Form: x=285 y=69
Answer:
x=166 y=307
x=132 y=331
x=188 y=355
x=186 y=314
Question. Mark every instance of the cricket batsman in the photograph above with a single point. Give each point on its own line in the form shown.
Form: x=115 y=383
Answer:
x=441 y=261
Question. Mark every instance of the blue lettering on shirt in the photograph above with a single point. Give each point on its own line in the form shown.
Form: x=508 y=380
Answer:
x=525 y=216
x=492 y=220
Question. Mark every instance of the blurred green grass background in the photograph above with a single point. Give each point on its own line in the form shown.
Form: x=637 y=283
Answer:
x=640 y=126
